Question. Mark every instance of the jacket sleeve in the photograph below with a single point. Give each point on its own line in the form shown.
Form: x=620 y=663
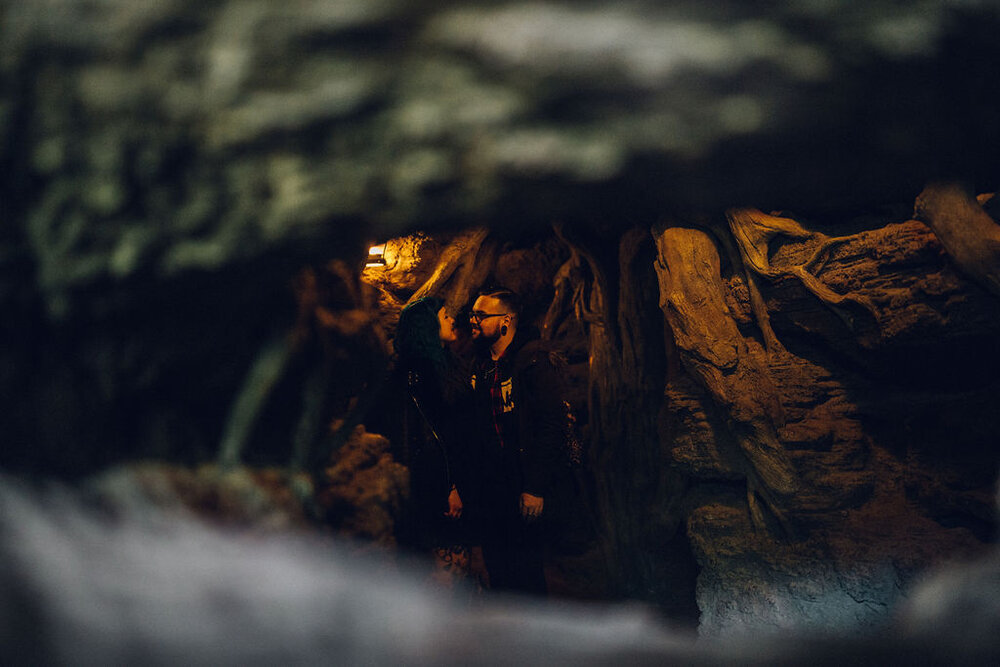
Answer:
x=541 y=425
x=457 y=428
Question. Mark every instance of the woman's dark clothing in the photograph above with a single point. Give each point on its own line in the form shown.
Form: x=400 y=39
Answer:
x=436 y=415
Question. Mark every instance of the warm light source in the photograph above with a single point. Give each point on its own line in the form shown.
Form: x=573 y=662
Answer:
x=376 y=256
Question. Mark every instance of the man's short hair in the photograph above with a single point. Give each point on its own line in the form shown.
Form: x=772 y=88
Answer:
x=510 y=300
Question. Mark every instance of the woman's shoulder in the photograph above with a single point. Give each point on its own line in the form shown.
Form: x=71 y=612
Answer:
x=455 y=379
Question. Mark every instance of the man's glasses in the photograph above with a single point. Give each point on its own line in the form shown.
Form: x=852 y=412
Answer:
x=479 y=316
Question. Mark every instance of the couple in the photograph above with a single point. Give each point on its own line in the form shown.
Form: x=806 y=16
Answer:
x=492 y=434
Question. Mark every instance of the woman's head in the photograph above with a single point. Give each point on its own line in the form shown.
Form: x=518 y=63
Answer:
x=446 y=332
x=423 y=329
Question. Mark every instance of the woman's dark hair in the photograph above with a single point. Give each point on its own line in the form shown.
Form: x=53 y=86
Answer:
x=418 y=333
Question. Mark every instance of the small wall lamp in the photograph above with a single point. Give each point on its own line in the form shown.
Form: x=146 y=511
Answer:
x=376 y=256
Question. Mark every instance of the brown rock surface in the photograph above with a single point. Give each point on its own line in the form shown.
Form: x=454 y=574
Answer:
x=364 y=489
x=884 y=426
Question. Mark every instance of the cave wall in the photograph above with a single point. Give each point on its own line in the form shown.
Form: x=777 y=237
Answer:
x=817 y=446
x=878 y=415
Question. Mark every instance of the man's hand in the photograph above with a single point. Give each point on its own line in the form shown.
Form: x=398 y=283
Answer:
x=531 y=506
x=454 y=505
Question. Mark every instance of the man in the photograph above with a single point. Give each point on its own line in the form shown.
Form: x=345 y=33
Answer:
x=519 y=420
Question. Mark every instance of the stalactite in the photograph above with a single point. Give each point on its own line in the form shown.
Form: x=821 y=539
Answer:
x=568 y=295
x=264 y=374
x=626 y=369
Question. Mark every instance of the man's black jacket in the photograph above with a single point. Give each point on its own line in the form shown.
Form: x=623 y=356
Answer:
x=520 y=416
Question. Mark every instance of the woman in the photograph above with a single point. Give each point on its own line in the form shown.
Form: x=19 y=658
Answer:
x=434 y=431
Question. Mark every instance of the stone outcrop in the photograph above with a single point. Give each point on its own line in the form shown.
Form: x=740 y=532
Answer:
x=722 y=360
x=364 y=490
x=882 y=409
x=967 y=232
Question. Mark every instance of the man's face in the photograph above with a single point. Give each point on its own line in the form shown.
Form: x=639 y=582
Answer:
x=488 y=316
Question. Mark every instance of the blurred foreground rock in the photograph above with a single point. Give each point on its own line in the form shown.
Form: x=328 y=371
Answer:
x=262 y=500
x=84 y=588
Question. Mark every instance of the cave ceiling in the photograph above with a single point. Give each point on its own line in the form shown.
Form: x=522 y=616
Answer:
x=301 y=122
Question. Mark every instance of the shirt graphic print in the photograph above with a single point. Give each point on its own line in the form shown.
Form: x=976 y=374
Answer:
x=506 y=400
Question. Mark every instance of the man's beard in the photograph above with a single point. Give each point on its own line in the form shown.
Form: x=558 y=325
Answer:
x=484 y=341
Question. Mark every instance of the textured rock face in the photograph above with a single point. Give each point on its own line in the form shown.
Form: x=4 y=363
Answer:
x=891 y=466
x=169 y=167
x=364 y=490
x=815 y=471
